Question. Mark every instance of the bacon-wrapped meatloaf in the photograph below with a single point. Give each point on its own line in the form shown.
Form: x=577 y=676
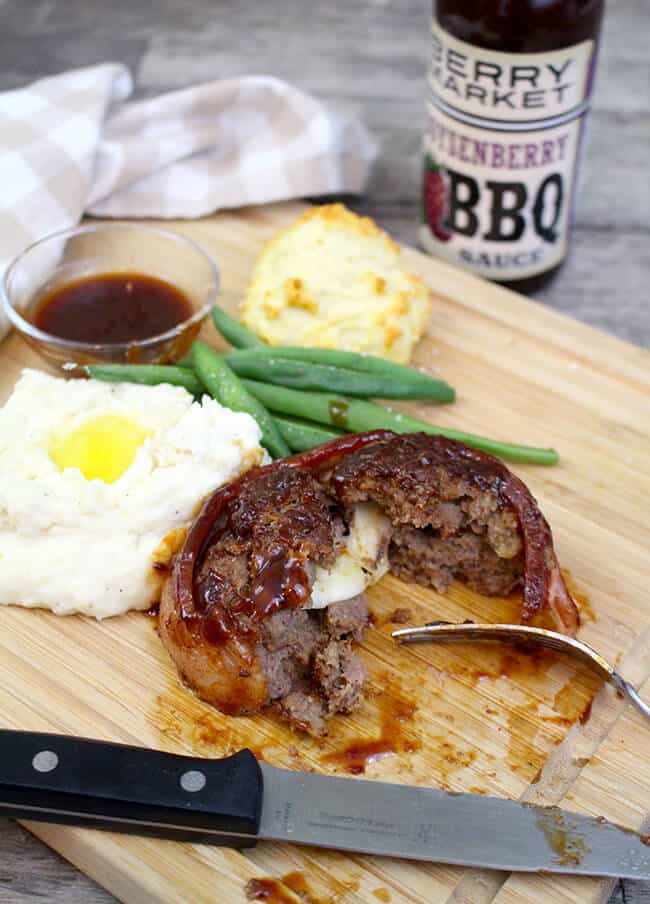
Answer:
x=266 y=599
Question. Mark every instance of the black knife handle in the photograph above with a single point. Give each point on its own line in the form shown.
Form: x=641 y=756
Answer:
x=75 y=781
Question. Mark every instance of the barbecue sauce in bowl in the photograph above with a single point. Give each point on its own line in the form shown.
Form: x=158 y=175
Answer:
x=111 y=308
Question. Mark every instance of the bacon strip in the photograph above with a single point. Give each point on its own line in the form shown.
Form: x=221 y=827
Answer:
x=546 y=597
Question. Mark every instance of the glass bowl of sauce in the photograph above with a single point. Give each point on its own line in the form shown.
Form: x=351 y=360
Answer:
x=114 y=292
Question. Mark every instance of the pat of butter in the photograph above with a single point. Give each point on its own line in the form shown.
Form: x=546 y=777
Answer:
x=102 y=447
x=362 y=562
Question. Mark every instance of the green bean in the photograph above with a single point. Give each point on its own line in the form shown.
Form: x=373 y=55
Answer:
x=234 y=331
x=369 y=364
x=224 y=386
x=358 y=415
x=302 y=435
x=147 y=374
x=187 y=363
x=307 y=375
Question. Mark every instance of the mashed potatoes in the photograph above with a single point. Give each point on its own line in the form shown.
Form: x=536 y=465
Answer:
x=333 y=280
x=97 y=480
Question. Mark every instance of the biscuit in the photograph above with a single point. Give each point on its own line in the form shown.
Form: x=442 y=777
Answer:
x=333 y=279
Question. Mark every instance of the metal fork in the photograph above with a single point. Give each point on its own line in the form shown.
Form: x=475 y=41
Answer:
x=469 y=631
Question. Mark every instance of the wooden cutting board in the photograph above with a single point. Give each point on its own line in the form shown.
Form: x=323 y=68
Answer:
x=484 y=719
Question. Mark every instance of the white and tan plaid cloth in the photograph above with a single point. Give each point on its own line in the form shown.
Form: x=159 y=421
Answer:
x=72 y=144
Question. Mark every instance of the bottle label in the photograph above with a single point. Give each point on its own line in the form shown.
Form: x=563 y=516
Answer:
x=501 y=146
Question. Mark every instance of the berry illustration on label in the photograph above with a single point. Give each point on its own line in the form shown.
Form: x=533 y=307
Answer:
x=435 y=198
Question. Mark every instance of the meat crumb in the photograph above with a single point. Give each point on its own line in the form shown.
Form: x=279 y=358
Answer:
x=255 y=889
x=293 y=751
x=401 y=616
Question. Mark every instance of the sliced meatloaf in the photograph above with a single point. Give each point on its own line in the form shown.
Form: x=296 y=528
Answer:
x=249 y=589
x=238 y=615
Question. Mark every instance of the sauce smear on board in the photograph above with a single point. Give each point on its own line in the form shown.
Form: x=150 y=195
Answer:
x=295 y=889
x=396 y=712
x=288 y=890
x=111 y=308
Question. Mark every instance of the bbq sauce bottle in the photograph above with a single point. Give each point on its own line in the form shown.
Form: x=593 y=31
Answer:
x=508 y=93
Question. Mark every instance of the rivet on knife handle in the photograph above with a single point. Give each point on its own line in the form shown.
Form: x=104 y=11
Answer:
x=56 y=778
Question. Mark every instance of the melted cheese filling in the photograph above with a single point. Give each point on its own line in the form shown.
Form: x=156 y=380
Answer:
x=362 y=562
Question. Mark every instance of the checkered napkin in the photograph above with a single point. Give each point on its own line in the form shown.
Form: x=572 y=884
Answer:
x=70 y=144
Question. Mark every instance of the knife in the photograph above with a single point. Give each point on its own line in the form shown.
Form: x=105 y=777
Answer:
x=236 y=801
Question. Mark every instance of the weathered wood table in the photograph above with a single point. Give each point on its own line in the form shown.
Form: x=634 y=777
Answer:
x=367 y=58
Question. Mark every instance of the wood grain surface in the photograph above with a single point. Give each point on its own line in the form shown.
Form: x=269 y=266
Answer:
x=525 y=372
x=367 y=58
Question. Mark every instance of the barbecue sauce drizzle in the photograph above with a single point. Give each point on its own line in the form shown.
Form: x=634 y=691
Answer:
x=280 y=580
